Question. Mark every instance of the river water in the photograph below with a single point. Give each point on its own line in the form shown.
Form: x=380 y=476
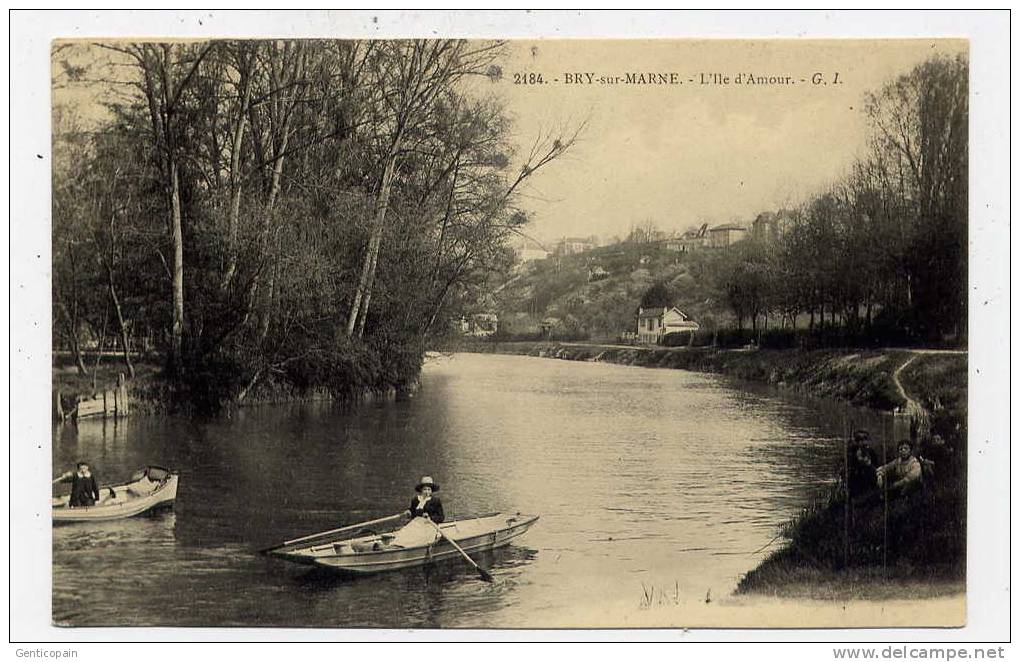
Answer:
x=651 y=485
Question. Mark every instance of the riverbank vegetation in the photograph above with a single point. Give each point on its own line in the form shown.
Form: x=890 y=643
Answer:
x=305 y=212
x=885 y=249
x=859 y=377
x=881 y=549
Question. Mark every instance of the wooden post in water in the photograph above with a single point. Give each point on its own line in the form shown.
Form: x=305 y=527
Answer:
x=124 y=394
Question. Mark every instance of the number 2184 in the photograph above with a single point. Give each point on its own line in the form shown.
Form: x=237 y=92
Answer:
x=528 y=79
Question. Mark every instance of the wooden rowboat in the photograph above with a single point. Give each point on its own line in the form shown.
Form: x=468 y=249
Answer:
x=149 y=489
x=374 y=553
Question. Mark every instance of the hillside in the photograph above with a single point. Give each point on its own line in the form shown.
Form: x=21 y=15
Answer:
x=592 y=304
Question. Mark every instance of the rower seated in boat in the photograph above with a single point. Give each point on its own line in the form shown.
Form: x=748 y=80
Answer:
x=84 y=488
x=425 y=505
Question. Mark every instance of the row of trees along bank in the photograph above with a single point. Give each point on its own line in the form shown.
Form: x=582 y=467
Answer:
x=306 y=212
x=883 y=253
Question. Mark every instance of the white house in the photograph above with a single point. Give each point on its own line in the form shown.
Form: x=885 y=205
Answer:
x=484 y=324
x=575 y=245
x=654 y=323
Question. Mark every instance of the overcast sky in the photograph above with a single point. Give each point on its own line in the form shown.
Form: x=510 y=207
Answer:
x=682 y=155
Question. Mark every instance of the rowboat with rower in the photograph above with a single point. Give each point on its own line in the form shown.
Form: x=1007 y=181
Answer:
x=149 y=489
x=379 y=552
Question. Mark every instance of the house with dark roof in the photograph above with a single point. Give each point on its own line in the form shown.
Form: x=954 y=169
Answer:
x=655 y=323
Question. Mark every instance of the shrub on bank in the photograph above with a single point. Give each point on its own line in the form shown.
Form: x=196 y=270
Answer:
x=348 y=370
x=921 y=536
x=553 y=335
x=821 y=336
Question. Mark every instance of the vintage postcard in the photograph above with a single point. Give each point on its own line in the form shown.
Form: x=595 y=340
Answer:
x=510 y=333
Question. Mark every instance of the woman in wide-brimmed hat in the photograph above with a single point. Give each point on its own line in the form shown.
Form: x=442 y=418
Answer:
x=425 y=503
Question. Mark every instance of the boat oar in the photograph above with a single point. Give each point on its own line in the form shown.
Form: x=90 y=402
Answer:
x=326 y=533
x=482 y=572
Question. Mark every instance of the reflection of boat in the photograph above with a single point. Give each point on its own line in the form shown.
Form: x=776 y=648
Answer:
x=151 y=488
x=376 y=553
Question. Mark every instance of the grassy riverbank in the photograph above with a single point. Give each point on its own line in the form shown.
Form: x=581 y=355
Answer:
x=912 y=548
x=860 y=377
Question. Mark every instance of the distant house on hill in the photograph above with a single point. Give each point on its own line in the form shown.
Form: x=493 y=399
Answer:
x=531 y=250
x=689 y=241
x=769 y=227
x=725 y=235
x=672 y=243
x=575 y=245
x=654 y=323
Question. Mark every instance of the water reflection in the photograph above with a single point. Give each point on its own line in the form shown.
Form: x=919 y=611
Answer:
x=641 y=477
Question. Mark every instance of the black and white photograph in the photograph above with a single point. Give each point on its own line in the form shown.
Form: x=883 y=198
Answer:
x=438 y=332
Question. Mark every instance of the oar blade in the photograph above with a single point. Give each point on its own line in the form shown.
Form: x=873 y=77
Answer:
x=484 y=574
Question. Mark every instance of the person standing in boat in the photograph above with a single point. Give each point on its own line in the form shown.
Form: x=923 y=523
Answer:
x=84 y=488
x=425 y=503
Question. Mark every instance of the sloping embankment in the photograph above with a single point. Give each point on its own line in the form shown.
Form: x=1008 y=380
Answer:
x=861 y=377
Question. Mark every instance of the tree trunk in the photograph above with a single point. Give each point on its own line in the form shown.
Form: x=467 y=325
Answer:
x=362 y=296
x=99 y=352
x=79 y=362
x=368 y=294
x=249 y=386
x=235 y=181
x=177 y=237
x=120 y=323
x=72 y=332
x=274 y=191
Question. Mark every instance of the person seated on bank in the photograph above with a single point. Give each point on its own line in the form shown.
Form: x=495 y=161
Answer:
x=902 y=475
x=84 y=488
x=863 y=474
x=937 y=457
x=861 y=443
